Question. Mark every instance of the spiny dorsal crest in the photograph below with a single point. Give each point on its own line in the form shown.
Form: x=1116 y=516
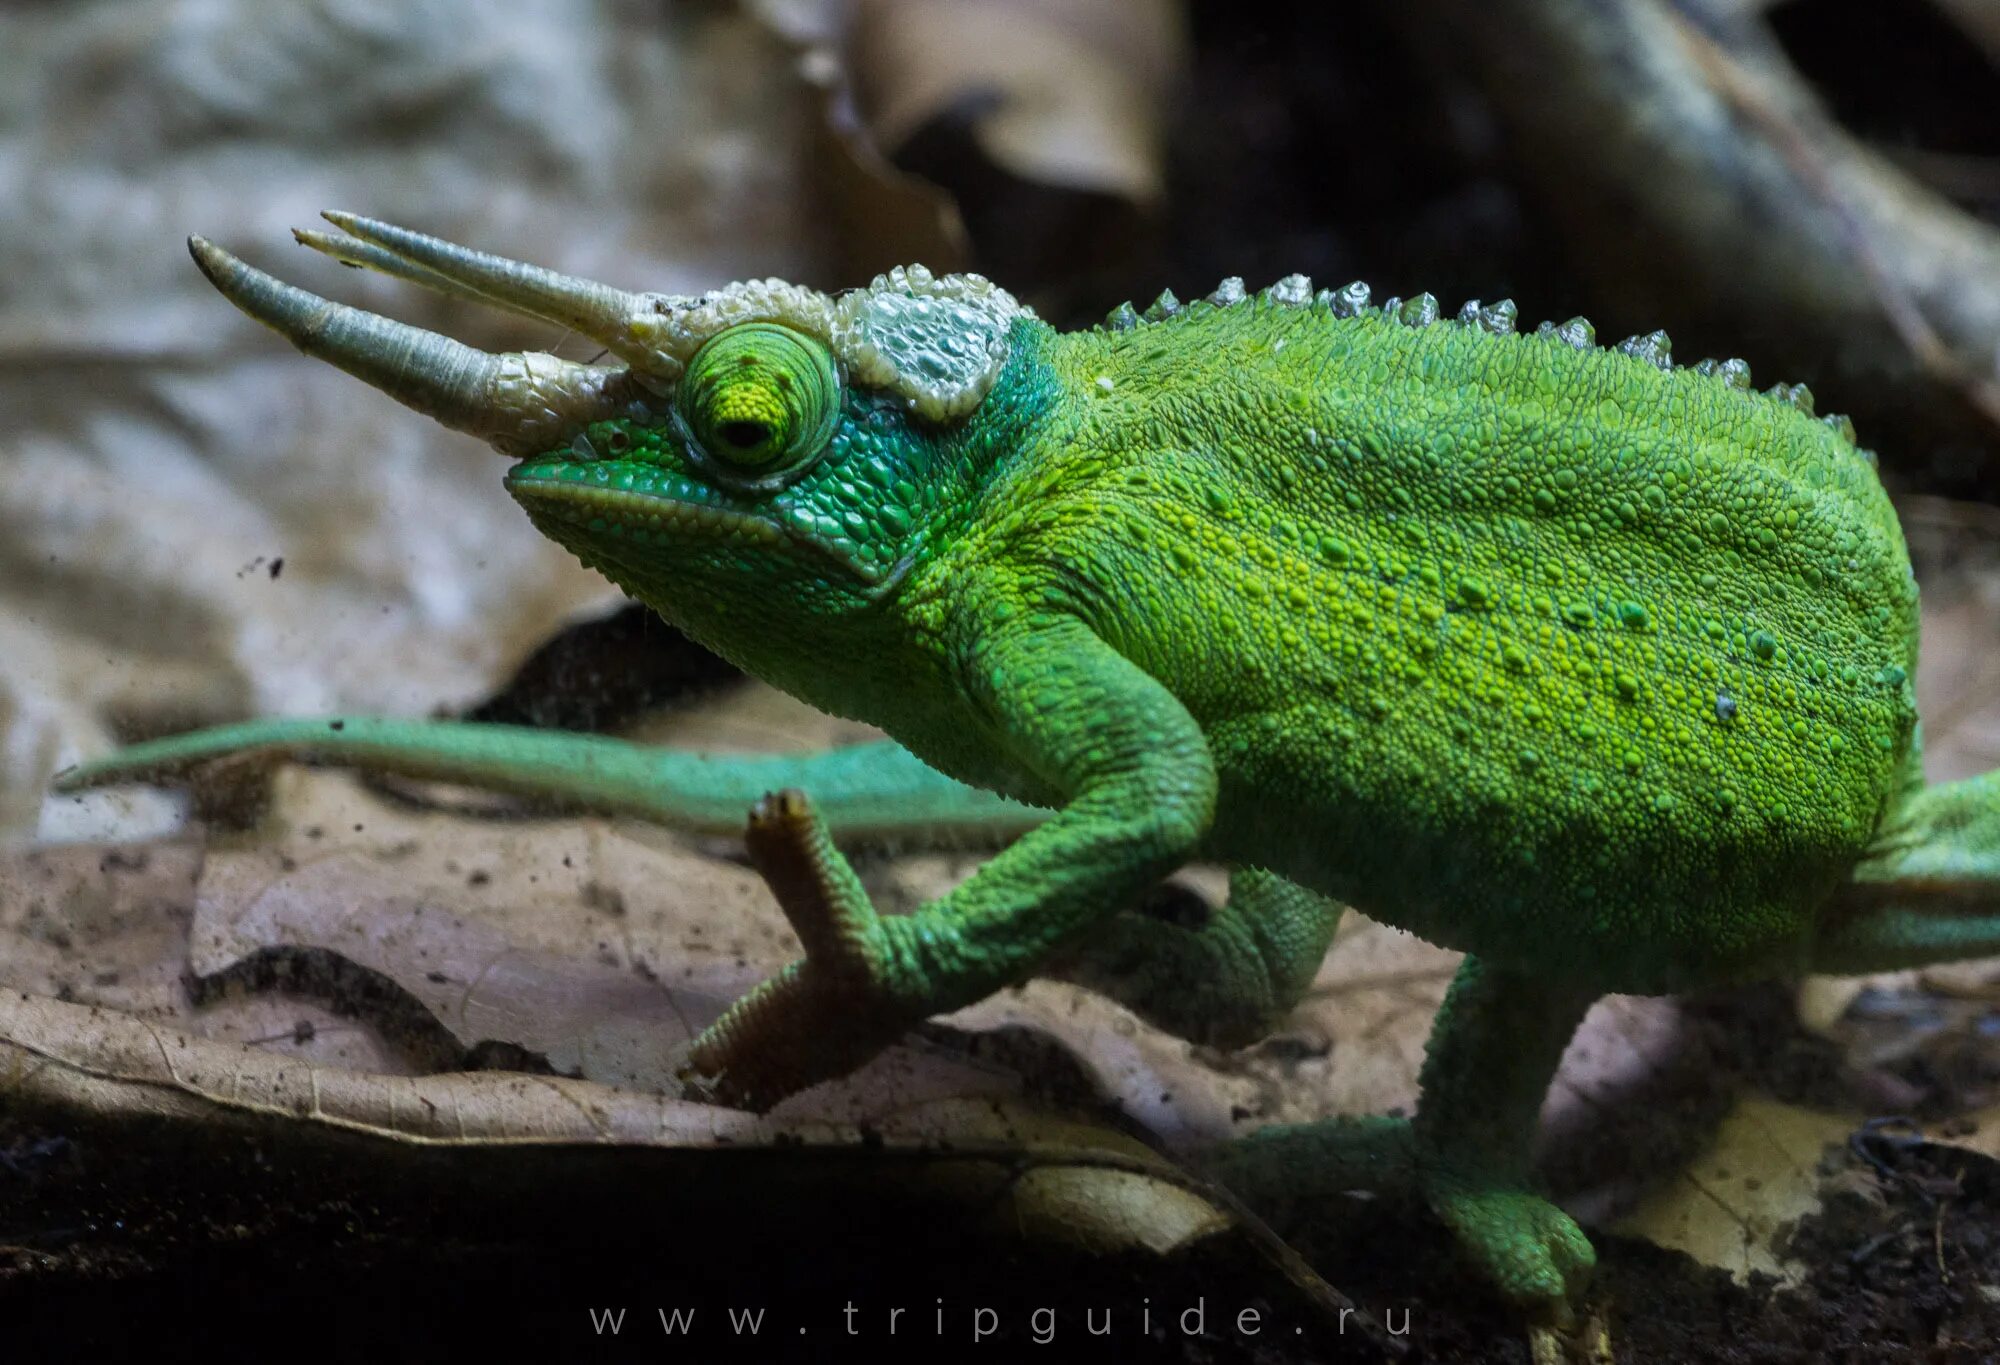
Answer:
x=1497 y=319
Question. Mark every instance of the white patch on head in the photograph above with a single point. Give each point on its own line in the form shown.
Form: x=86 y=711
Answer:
x=937 y=341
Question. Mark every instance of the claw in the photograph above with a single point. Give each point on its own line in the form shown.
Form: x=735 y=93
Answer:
x=1586 y=1342
x=519 y=401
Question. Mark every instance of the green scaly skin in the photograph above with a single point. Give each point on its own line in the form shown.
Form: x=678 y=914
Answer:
x=1592 y=667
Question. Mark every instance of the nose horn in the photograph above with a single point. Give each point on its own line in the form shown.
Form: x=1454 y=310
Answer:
x=520 y=402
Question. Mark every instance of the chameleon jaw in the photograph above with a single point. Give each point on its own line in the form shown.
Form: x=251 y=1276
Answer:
x=634 y=503
x=644 y=504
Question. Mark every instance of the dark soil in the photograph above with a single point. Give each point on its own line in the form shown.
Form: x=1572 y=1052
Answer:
x=160 y=1241
x=129 y=1245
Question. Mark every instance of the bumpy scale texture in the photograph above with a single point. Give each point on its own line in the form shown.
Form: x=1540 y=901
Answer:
x=1539 y=649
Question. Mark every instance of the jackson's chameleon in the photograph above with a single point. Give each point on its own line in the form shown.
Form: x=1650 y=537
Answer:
x=1592 y=666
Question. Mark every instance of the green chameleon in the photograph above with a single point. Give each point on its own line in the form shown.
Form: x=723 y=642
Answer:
x=1594 y=667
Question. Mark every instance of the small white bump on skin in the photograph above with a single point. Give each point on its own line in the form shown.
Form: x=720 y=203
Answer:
x=1106 y=383
x=1294 y=291
x=679 y=323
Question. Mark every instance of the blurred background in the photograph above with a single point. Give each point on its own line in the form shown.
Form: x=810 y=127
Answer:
x=198 y=525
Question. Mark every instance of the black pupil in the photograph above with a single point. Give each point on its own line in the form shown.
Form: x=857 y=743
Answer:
x=744 y=435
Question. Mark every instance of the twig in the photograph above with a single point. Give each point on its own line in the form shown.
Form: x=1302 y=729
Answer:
x=1737 y=86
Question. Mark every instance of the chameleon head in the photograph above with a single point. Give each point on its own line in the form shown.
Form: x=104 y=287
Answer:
x=759 y=458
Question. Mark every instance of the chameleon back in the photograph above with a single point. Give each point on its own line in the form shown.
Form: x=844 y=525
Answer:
x=1508 y=631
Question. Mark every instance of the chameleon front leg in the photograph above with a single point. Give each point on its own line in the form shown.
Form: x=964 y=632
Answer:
x=1226 y=982
x=864 y=791
x=1493 y=1050
x=1077 y=716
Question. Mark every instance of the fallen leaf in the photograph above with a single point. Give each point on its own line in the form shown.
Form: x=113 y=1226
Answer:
x=1012 y=1174
x=1760 y=1176
x=1064 y=93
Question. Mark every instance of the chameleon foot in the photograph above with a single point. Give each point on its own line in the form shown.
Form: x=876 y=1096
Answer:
x=1526 y=1247
x=829 y=1012
x=1530 y=1250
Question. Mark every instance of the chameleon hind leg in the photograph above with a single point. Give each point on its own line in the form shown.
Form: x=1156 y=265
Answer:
x=1929 y=890
x=1228 y=981
x=1916 y=929
x=1493 y=1050
x=1498 y=1039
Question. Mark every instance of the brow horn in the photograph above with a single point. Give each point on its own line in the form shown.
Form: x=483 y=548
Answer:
x=616 y=319
x=518 y=401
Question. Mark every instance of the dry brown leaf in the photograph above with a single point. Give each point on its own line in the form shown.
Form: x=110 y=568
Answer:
x=1770 y=1166
x=1978 y=1133
x=1011 y=1172
x=1070 y=94
x=1760 y=1175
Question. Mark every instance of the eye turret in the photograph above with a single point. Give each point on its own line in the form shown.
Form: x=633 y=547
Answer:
x=760 y=398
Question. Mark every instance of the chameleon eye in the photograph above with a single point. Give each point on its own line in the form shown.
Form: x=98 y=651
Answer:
x=760 y=396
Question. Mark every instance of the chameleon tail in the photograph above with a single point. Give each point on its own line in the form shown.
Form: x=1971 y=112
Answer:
x=867 y=792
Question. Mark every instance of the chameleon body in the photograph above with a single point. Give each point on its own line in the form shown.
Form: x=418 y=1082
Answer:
x=1596 y=668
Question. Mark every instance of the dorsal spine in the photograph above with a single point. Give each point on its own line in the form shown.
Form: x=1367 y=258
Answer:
x=1497 y=319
